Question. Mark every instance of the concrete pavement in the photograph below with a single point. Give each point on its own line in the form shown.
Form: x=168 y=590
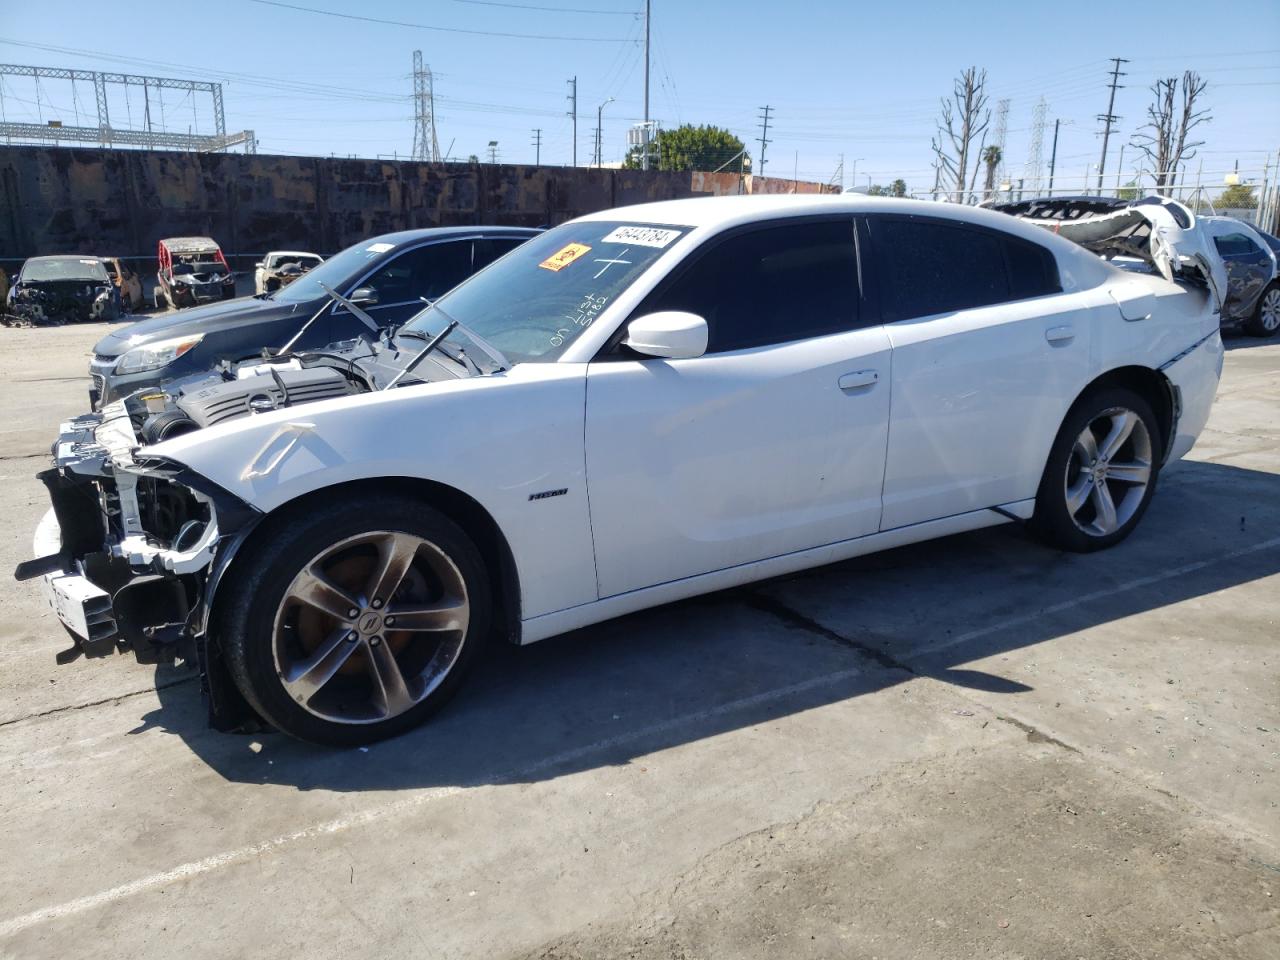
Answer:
x=970 y=747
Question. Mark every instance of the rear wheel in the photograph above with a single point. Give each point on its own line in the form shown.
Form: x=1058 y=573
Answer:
x=358 y=622
x=1266 y=316
x=1101 y=472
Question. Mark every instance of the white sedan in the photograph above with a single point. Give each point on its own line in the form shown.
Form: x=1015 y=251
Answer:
x=637 y=406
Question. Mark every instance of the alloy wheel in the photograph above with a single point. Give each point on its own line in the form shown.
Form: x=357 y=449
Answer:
x=1270 y=310
x=1108 y=472
x=369 y=627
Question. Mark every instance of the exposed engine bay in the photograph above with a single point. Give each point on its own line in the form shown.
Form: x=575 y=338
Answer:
x=1157 y=231
x=134 y=543
x=57 y=290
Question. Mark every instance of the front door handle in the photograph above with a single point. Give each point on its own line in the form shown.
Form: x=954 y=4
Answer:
x=859 y=378
x=1060 y=334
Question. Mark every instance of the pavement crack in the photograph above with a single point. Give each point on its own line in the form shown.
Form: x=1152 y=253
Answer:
x=1035 y=734
x=53 y=711
x=794 y=618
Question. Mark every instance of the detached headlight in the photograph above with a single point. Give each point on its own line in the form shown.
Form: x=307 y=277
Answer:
x=156 y=355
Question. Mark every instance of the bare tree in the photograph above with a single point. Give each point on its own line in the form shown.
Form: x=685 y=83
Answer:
x=964 y=119
x=1164 y=139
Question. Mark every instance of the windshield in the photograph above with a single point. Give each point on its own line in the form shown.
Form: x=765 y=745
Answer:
x=63 y=268
x=336 y=272
x=537 y=299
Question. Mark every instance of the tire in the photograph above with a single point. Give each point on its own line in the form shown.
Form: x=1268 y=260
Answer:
x=316 y=675
x=1080 y=479
x=1265 y=320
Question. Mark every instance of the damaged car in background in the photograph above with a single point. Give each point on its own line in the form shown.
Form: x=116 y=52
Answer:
x=192 y=270
x=279 y=268
x=638 y=406
x=55 y=290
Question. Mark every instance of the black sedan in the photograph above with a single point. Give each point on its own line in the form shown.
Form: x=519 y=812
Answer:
x=387 y=276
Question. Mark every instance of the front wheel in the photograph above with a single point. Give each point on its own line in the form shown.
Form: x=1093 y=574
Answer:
x=1266 y=316
x=1101 y=472
x=357 y=621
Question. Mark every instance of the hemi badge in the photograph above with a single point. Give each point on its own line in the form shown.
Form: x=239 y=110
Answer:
x=545 y=494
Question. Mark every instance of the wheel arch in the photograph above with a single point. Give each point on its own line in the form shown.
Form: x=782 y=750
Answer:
x=1152 y=385
x=462 y=509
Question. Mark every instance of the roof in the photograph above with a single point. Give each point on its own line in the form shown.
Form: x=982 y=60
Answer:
x=405 y=236
x=189 y=244
x=715 y=213
x=290 y=253
x=63 y=256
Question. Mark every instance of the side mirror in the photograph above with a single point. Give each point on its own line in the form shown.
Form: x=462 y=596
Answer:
x=671 y=334
x=363 y=295
x=259 y=264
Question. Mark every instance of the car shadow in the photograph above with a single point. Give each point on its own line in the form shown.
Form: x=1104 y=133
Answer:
x=1235 y=338
x=607 y=694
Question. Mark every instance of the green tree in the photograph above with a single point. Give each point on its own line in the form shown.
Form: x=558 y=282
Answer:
x=898 y=188
x=1129 y=191
x=1237 y=196
x=693 y=148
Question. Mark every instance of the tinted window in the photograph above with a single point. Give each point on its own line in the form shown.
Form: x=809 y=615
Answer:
x=425 y=272
x=1032 y=270
x=1234 y=245
x=927 y=267
x=770 y=286
x=487 y=251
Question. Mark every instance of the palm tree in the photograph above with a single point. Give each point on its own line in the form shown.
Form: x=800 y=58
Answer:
x=991 y=156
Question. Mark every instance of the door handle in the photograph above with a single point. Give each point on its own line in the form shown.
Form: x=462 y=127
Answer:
x=859 y=378
x=1060 y=334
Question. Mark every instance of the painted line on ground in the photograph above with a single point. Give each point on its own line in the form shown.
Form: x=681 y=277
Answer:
x=217 y=861
x=1137 y=584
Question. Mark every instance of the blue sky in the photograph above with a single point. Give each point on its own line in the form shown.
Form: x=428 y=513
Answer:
x=862 y=80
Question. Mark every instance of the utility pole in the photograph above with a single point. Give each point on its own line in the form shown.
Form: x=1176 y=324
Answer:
x=573 y=112
x=764 y=134
x=1053 y=154
x=644 y=161
x=600 y=129
x=493 y=151
x=1109 y=117
x=537 y=146
x=1119 y=169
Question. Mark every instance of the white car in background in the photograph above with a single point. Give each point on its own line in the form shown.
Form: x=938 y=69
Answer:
x=637 y=406
x=279 y=268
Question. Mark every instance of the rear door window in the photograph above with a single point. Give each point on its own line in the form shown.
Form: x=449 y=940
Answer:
x=927 y=267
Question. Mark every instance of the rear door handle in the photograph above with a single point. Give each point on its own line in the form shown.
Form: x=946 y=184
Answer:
x=1060 y=334
x=859 y=378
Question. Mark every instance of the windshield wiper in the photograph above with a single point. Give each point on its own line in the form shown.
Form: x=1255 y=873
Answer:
x=496 y=356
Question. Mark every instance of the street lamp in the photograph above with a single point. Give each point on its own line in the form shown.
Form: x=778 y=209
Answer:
x=599 y=132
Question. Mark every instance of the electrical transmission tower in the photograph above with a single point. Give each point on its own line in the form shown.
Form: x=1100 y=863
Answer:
x=764 y=134
x=1109 y=117
x=425 y=145
x=999 y=137
x=1035 y=153
x=105 y=134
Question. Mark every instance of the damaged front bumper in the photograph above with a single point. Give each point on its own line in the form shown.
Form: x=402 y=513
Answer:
x=132 y=546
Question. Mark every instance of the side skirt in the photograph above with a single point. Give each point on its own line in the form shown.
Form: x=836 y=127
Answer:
x=551 y=624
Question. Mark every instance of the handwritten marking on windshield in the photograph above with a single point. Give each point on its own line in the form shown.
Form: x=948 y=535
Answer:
x=581 y=317
x=610 y=262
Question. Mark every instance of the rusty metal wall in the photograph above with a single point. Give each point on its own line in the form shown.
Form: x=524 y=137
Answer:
x=121 y=202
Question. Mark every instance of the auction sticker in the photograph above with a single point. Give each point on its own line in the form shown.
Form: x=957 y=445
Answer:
x=564 y=256
x=642 y=236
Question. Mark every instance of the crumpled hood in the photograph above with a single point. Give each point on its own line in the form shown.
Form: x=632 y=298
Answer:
x=220 y=315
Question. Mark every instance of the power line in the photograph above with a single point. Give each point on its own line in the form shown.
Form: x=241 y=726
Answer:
x=425 y=26
x=527 y=6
